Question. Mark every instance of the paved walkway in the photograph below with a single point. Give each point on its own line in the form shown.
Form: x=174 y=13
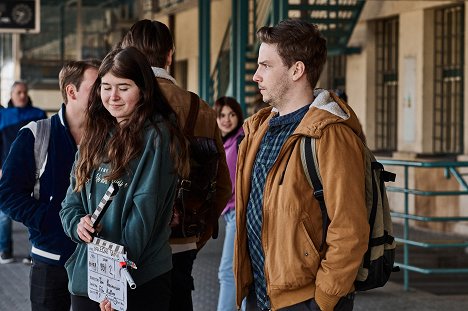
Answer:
x=14 y=286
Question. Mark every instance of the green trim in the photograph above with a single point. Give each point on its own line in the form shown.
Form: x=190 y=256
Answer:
x=241 y=38
x=233 y=78
x=204 y=10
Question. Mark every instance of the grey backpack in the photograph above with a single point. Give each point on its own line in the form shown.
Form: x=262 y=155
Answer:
x=378 y=261
x=41 y=132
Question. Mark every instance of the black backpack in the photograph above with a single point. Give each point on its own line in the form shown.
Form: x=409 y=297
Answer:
x=377 y=264
x=194 y=208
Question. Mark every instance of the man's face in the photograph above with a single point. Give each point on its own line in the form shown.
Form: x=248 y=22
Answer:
x=272 y=76
x=19 y=95
x=82 y=95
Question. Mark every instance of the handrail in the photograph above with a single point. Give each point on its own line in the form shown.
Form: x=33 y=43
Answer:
x=259 y=15
x=219 y=79
x=434 y=164
x=450 y=169
x=224 y=42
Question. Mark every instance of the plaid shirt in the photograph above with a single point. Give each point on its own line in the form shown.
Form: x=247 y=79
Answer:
x=280 y=128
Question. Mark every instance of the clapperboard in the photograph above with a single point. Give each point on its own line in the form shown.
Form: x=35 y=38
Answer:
x=105 y=279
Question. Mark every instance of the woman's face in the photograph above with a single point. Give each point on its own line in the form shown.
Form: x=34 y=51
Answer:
x=227 y=120
x=119 y=96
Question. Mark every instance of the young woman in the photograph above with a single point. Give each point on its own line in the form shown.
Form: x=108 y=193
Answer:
x=131 y=138
x=230 y=119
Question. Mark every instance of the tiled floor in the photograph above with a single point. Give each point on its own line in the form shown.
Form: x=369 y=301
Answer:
x=14 y=285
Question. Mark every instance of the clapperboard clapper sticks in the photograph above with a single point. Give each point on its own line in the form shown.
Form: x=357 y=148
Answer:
x=104 y=204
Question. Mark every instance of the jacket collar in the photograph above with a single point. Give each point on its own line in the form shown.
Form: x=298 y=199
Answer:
x=325 y=109
x=163 y=74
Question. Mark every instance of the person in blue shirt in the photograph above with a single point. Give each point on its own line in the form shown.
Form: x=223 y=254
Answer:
x=131 y=138
x=51 y=248
x=19 y=113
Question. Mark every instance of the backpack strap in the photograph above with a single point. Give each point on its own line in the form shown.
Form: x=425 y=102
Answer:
x=310 y=165
x=192 y=116
x=378 y=174
x=41 y=132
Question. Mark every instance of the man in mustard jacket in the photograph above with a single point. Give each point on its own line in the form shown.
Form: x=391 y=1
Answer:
x=279 y=264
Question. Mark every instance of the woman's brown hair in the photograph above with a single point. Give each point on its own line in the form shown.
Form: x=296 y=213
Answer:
x=105 y=140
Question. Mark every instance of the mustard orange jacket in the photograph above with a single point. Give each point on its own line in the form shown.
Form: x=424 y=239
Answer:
x=292 y=225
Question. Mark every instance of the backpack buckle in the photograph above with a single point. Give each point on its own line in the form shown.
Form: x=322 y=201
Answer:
x=185 y=184
x=319 y=195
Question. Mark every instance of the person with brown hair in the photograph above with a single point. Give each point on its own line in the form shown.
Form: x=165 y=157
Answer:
x=155 y=41
x=230 y=120
x=131 y=138
x=280 y=262
x=51 y=248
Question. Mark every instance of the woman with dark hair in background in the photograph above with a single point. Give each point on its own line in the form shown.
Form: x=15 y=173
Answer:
x=131 y=138
x=230 y=120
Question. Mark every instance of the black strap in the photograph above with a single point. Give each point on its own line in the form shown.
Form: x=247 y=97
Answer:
x=318 y=188
x=385 y=239
x=192 y=116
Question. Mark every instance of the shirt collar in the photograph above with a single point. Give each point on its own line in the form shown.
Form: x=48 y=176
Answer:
x=289 y=118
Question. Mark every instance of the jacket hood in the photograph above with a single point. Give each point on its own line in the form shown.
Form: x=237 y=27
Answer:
x=163 y=74
x=325 y=109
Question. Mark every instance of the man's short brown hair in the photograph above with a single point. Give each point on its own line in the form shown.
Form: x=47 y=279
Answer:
x=298 y=40
x=73 y=72
x=152 y=38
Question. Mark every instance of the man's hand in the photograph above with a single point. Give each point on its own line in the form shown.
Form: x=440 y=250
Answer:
x=105 y=305
x=85 y=229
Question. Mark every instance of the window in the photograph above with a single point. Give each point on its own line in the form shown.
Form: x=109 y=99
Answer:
x=448 y=80
x=386 y=85
x=43 y=54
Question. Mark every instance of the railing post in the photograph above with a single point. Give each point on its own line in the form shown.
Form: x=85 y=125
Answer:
x=204 y=15
x=406 y=234
x=233 y=57
x=242 y=33
x=280 y=11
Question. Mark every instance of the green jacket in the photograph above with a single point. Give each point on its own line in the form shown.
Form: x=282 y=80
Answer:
x=138 y=217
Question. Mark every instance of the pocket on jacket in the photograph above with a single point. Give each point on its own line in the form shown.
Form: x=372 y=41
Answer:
x=72 y=258
x=293 y=259
x=77 y=271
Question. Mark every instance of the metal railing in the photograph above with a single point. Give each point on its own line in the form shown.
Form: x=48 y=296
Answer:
x=219 y=80
x=450 y=170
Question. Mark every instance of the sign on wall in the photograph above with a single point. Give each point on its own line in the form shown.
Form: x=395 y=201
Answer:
x=20 y=16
